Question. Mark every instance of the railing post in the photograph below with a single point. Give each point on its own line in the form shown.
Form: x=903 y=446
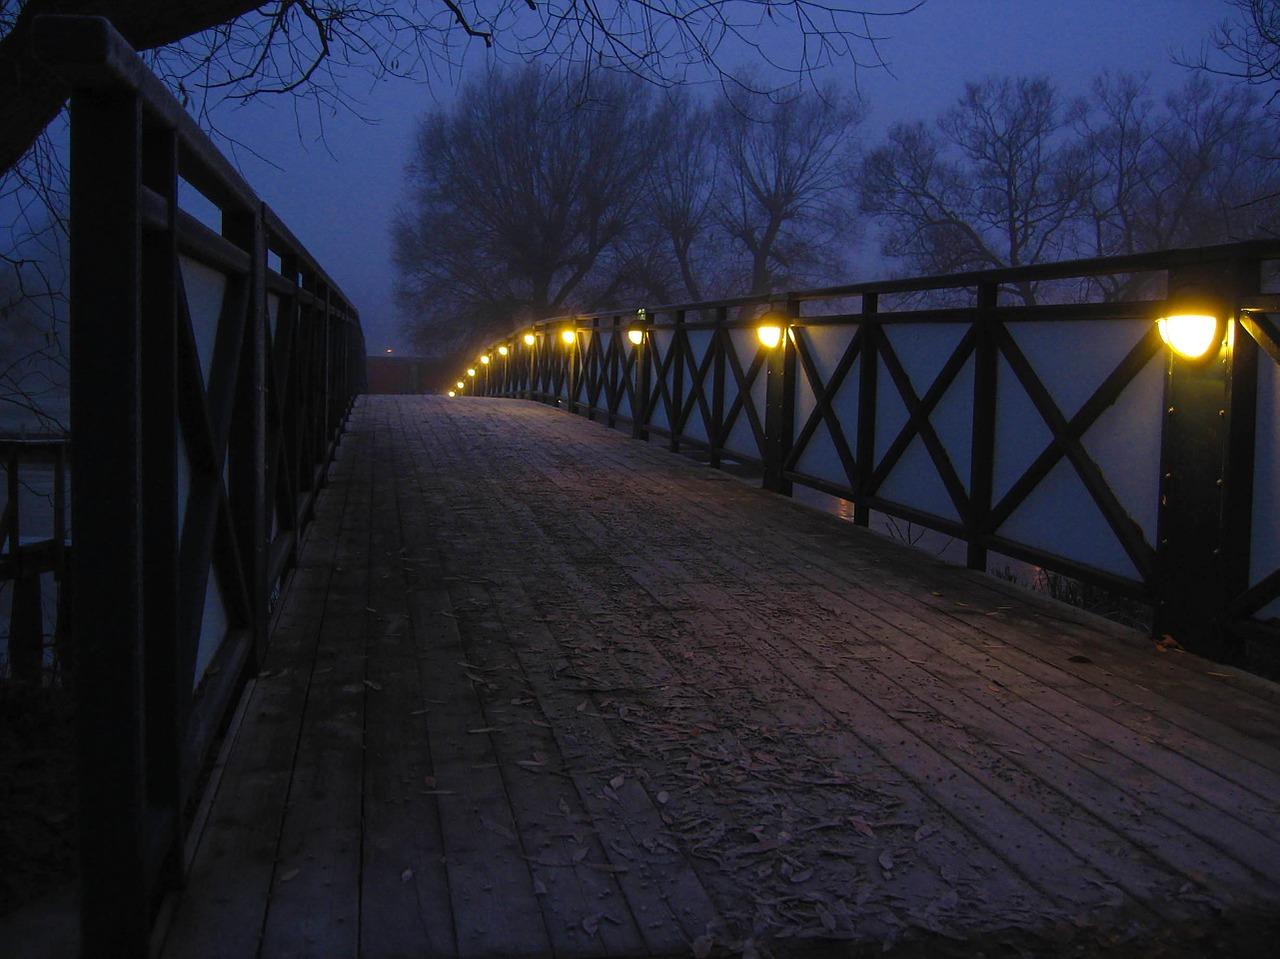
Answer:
x=678 y=347
x=247 y=451
x=982 y=456
x=591 y=384
x=643 y=374
x=780 y=405
x=168 y=682
x=613 y=381
x=571 y=372
x=106 y=563
x=1193 y=572
x=716 y=427
x=866 y=438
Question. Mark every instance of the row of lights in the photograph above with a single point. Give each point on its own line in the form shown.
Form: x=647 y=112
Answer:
x=1190 y=335
x=770 y=335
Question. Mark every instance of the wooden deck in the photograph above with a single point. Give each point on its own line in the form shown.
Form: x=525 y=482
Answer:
x=539 y=689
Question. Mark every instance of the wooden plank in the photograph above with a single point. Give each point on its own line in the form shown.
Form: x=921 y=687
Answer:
x=488 y=872
x=596 y=453
x=668 y=905
x=404 y=892
x=1216 y=823
x=315 y=894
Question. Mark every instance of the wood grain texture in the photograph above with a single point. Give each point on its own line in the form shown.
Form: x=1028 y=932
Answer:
x=564 y=693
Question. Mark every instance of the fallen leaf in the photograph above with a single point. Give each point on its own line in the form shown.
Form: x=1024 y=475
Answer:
x=824 y=916
x=376 y=687
x=925 y=831
x=617 y=781
x=406 y=875
x=886 y=861
x=289 y=874
x=539 y=888
x=801 y=876
x=664 y=797
x=590 y=924
x=702 y=946
x=483 y=729
x=862 y=826
x=580 y=854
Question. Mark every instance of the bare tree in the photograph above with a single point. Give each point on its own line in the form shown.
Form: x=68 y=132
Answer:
x=680 y=188
x=1196 y=172
x=786 y=164
x=1218 y=150
x=995 y=182
x=309 y=47
x=518 y=197
x=1250 y=46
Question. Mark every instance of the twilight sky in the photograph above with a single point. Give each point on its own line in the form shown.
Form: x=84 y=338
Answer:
x=339 y=195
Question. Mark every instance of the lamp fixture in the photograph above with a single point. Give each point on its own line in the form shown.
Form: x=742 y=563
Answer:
x=769 y=334
x=1190 y=335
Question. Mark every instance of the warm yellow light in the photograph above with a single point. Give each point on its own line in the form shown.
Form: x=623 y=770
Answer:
x=471 y=371
x=503 y=351
x=770 y=335
x=1189 y=334
x=485 y=359
x=636 y=336
x=568 y=337
x=459 y=384
x=452 y=393
x=529 y=339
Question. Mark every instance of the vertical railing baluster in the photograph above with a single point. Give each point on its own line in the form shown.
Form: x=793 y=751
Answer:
x=247 y=449
x=715 y=429
x=676 y=359
x=780 y=404
x=982 y=455
x=869 y=371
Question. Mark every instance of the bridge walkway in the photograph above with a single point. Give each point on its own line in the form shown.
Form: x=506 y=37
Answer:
x=540 y=689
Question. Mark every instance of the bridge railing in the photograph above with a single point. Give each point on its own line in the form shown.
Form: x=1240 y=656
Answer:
x=213 y=363
x=1068 y=435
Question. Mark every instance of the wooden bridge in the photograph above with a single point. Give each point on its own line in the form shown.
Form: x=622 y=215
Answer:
x=538 y=689
x=470 y=676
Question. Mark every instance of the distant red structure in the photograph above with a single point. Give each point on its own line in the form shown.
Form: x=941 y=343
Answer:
x=397 y=374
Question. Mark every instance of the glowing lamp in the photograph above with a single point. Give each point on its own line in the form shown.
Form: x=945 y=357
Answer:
x=529 y=339
x=503 y=351
x=635 y=336
x=471 y=371
x=387 y=350
x=459 y=384
x=770 y=335
x=1191 y=335
x=568 y=337
x=485 y=359
x=452 y=393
